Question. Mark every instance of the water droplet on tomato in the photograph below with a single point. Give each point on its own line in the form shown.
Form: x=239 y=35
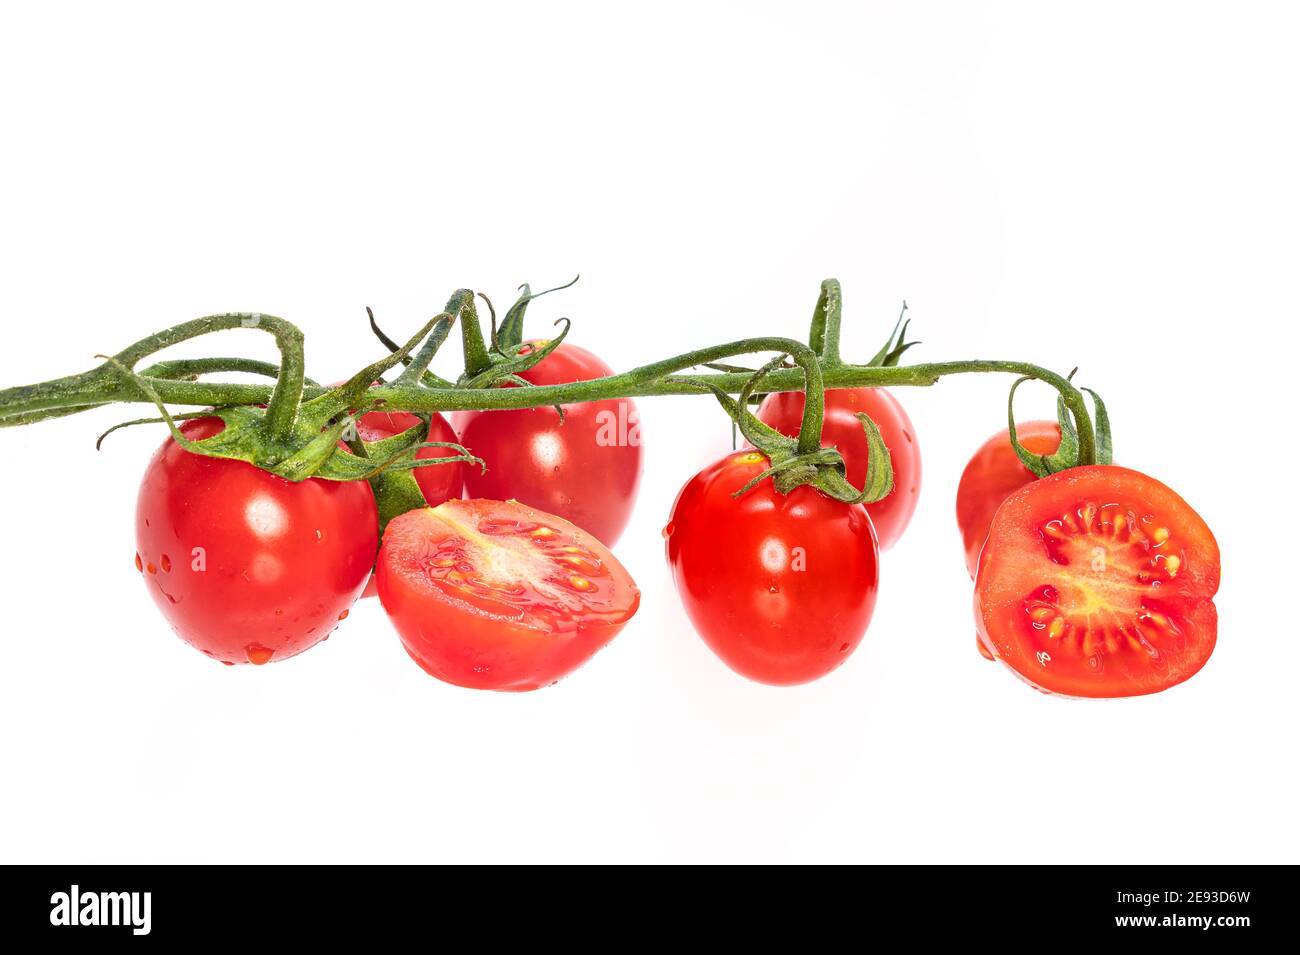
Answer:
x=258 y=655
x=773 y=589
x=226 y=663
x=139 y=564
x=166 y=564
x=843 y=647
x=344 y=615
x=151 y=568
x=668 y=530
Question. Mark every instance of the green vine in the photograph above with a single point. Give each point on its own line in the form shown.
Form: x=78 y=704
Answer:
x=297 y=428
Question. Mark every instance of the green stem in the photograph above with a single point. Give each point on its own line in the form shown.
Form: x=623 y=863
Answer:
x=28 y=403
x=825 y=335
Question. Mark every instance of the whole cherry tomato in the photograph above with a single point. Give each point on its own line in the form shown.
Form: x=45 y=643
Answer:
x=843 y=431
x=246 y=566
x=994 y=471
x=781 y=587
x=991 y=474
x=1098 y=581
x=496 y=595
x=585 y=468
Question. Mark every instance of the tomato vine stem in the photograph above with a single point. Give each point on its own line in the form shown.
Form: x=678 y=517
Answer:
x=176 y=382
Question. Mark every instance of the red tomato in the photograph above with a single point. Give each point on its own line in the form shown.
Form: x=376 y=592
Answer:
x=495 y=595
x=1098 y=581
x=585 y=469
x=780 y=587
x=993 y=472
x=438 y=482
x=843 y=431
x=246 y=566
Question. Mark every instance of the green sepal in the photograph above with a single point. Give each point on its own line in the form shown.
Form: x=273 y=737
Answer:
x=1066 y=455
x=520 y=359
x=892 y=351
x=823 y=468
x=511 y=333
x=880 y=464
x=1105 y=451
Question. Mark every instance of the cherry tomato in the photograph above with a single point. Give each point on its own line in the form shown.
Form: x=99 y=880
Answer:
x=1096 y=582
x=246 y=566
x=781 y=587
x=438 y=482
x=585 y=469
x=843 y=431
x=991 y=474
x=994 y=471
x=495 y=595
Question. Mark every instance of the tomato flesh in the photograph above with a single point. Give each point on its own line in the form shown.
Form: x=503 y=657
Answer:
x=497 y=595
x=1098 y=582
x=246 y=566
x=780 y=587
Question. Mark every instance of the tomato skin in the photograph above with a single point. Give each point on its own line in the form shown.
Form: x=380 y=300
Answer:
x=842 y=430
x=993 y=472
x=585 y=469
x=510 y=638
x=781 y=588
x=1124 y=566
x=246 y=566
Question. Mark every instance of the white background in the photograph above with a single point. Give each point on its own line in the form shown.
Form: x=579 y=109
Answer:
x=1108 y=186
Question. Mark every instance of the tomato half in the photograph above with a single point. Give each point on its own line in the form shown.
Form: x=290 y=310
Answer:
x=781 y=587
x=993 y=472
x=1097 y=582
x=842 y=430
x=495 y=595
x=585 y=469
x=246 y=566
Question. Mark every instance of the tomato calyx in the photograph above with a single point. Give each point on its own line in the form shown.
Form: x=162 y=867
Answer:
x=892 y=351
x=309 y=445
x=506 y=356
x=1068 y=453
x=795 y=462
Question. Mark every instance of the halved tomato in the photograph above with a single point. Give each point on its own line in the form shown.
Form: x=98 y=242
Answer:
x=1098 y=582
x=496 y=595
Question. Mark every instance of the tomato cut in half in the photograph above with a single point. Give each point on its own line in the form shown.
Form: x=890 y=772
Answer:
x=1098 y=582
x=495 y=595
